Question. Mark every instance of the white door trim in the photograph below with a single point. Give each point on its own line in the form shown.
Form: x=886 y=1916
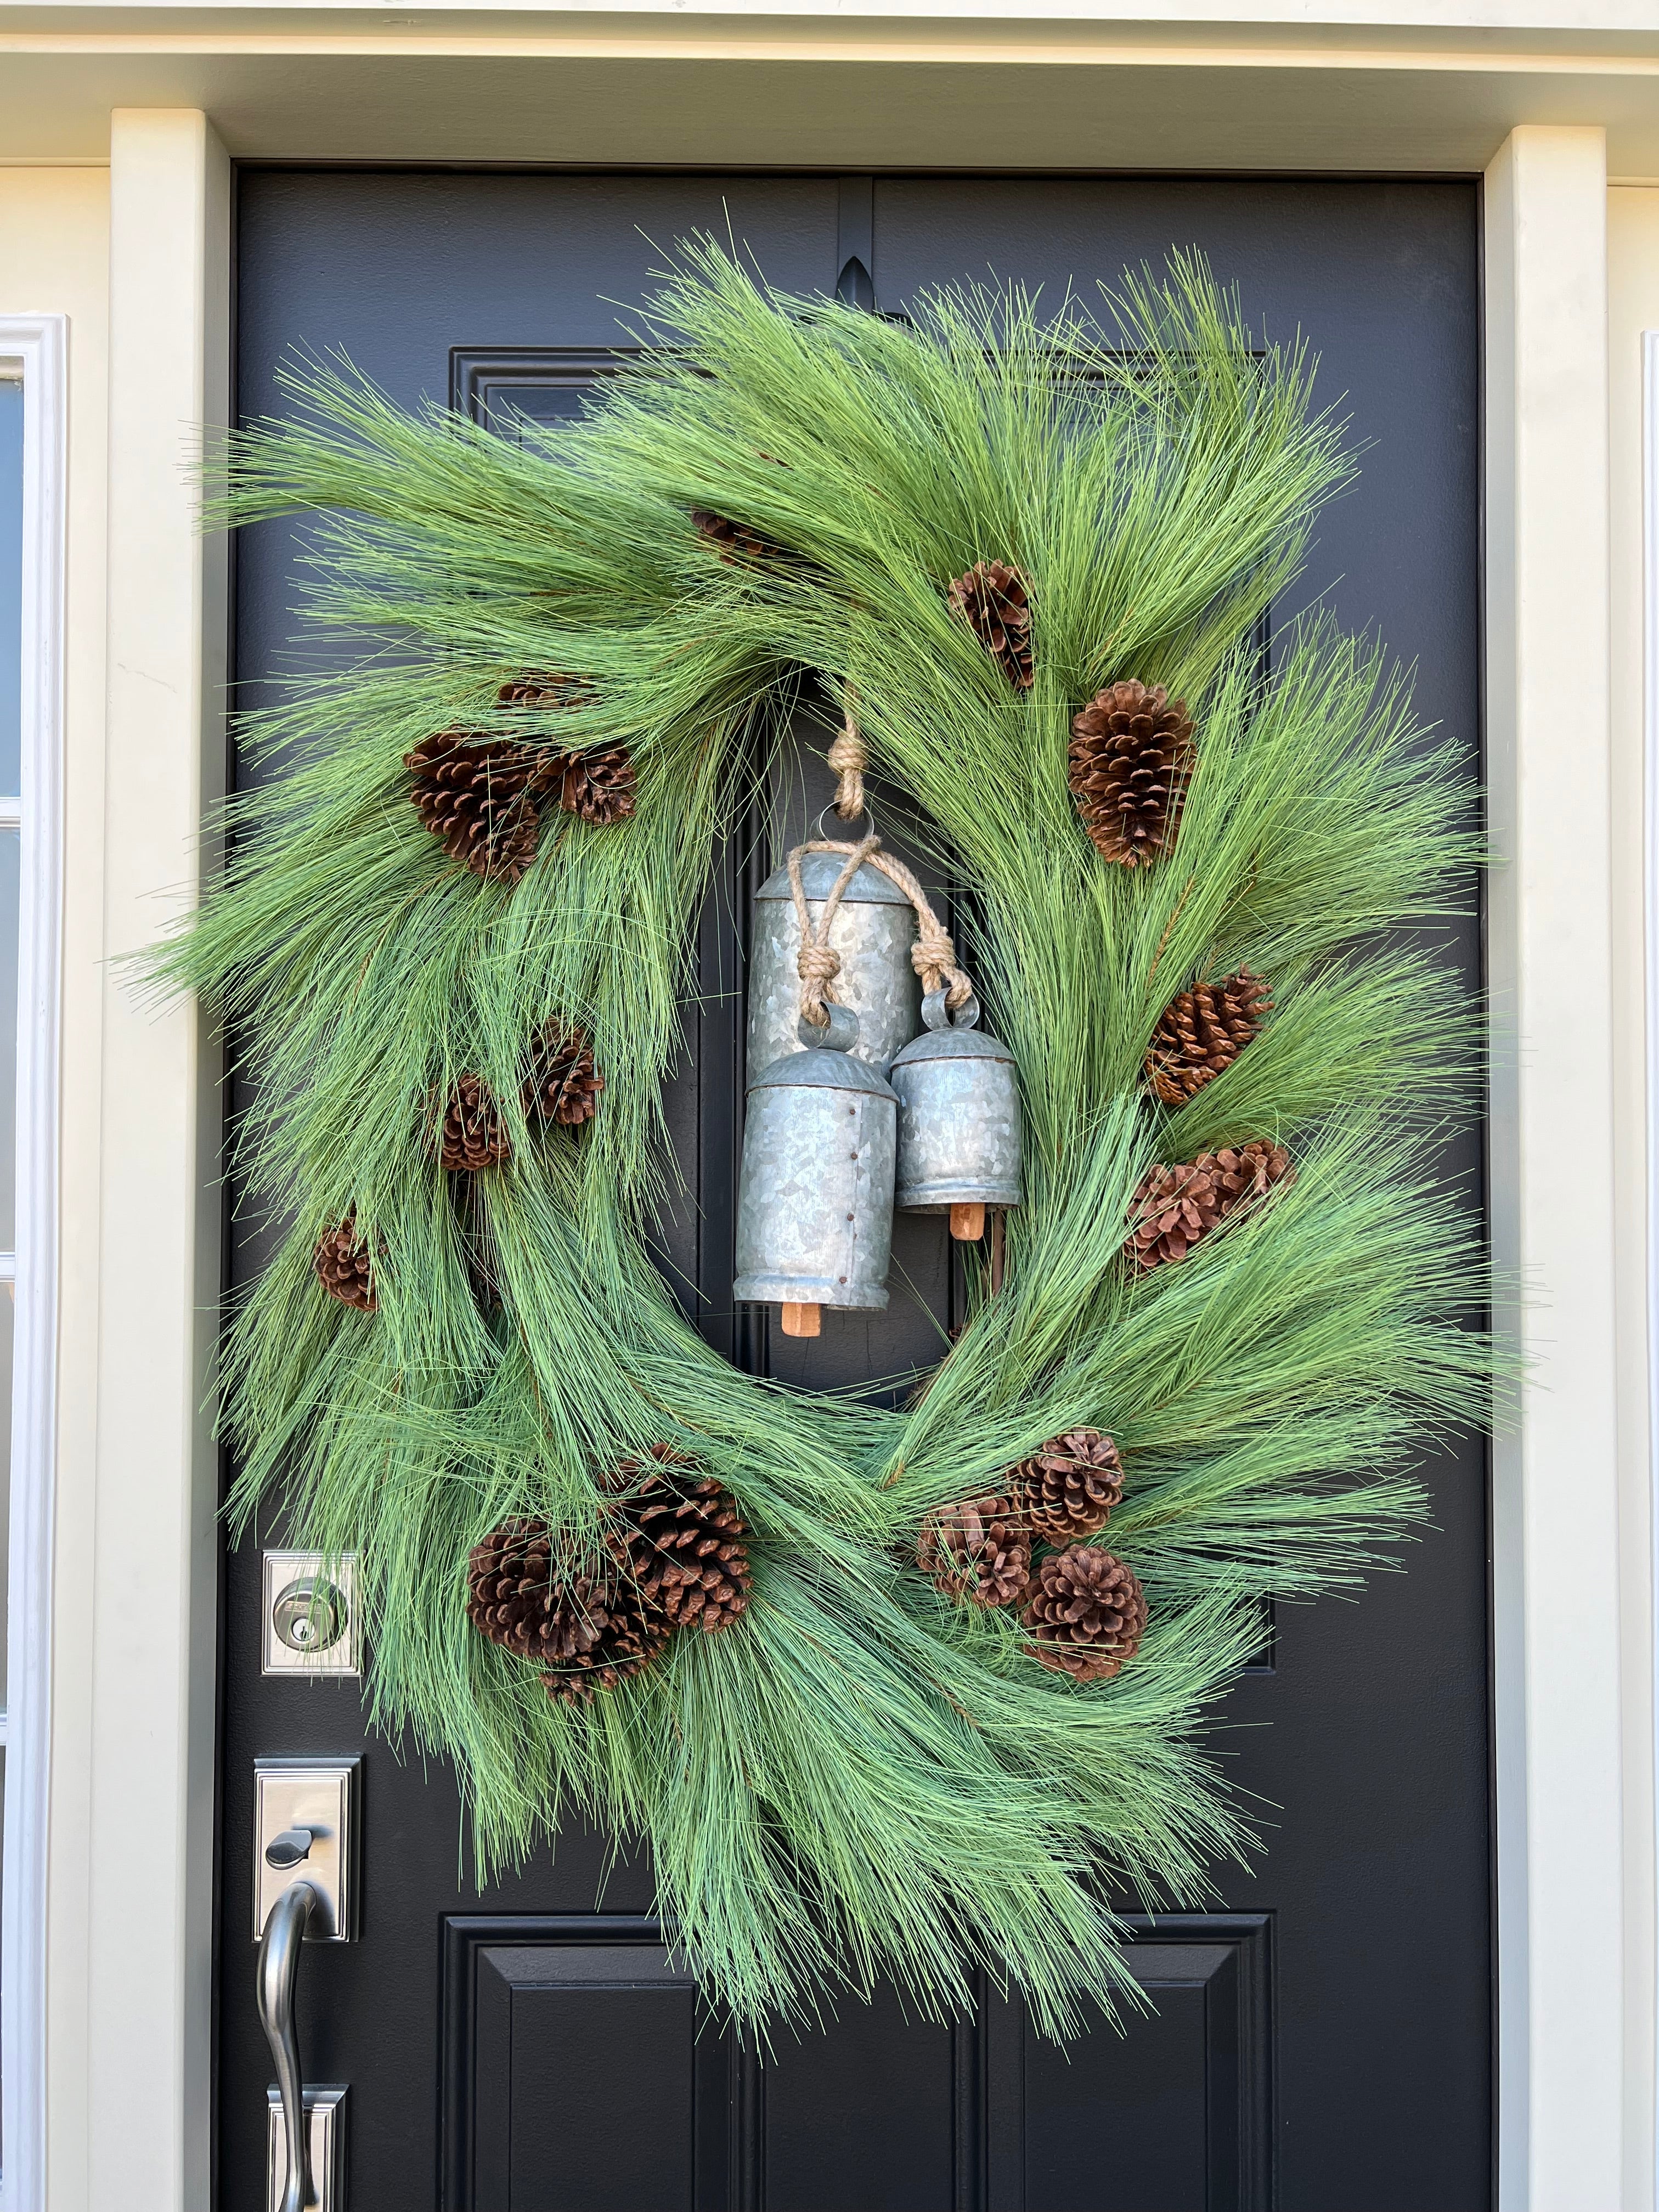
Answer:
x=143 y=2132
x=1551 y=922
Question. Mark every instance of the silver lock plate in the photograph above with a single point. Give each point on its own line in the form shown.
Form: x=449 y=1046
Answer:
x=325 y=2119
x=319 y=1796
x=303 y=1597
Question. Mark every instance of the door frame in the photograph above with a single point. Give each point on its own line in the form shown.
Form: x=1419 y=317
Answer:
x=1572 y=1713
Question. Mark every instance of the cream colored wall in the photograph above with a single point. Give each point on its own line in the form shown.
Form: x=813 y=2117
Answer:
x=1633 y=307
x=54 y=256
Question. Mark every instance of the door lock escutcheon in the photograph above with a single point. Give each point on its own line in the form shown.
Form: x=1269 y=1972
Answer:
x=305 y=1828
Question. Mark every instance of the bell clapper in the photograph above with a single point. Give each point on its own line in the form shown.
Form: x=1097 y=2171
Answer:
x=999 y=1246
x=802 y=1319
x=967 y=1224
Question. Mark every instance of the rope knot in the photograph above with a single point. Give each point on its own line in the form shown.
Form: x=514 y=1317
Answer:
x=818 y=966
x=848 y=759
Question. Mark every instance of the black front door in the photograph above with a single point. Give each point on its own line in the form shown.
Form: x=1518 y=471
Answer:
x=1321 y=2038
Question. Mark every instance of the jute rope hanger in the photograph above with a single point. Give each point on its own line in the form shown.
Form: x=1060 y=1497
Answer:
x=933 y=955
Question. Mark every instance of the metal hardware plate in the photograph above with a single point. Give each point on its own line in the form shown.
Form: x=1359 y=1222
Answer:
x=320 y=1794
x=325 y=2115
x=280 y=1571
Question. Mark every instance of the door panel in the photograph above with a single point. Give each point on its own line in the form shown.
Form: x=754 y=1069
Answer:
x=550 y=2018
x=1322 y=2038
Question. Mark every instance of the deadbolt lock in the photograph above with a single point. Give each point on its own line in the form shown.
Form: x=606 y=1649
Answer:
x=310 y=1613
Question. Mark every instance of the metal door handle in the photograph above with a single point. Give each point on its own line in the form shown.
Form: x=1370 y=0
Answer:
x=279 y=1965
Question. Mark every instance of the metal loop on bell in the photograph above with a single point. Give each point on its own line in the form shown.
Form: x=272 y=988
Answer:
x=840 y=1032
x=844 y=830
x=937 y=1015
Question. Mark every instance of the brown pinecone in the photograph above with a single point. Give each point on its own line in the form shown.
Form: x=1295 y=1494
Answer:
x=978 y=1552
x=1173 y=1207
x=561 y=1083
x=685 y=1544
x=1130 y=762
x=543 y=687
x=478 y=795
x=736 y=542
x=1068 y=1486
x=995 y=601
x=346 y=1267
x=598 y=784
x=1087 y=1613
x=583 y=1621
x=1202 y=1031
x=474 y=1132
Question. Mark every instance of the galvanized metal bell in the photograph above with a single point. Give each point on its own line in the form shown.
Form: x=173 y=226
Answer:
x=873 y=929
x=959 y=1125
x=815 y=1199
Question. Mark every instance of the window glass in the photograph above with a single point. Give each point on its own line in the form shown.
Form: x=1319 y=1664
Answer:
x=9 y=842
x=11 y=579
x=7 y=1327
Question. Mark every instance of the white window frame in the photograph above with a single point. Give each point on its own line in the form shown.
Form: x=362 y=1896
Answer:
x=36 y=346
x=1651 y=774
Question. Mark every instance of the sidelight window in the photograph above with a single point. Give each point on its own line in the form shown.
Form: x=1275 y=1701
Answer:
x=32 y=484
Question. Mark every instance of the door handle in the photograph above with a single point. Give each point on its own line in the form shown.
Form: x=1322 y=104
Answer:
x=280 y=1946
x=305 y=1891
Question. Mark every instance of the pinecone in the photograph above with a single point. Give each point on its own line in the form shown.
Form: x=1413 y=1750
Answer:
x=598 y=784
x=561 y=1083
x=1202 y=1031
x=584 y=1621
x=736 y=542
x=346 y=1267
x=686 y=1544
x=1131 y=760
x=978 y=1552
x=478 y=795
x=995 y=601
x=1173 y=1207
x=1087 y=1613
x=474 y=1132
x=544 y=687
x=1068 y=1486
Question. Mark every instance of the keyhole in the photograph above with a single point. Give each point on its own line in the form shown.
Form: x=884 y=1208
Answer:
x=310 y=1615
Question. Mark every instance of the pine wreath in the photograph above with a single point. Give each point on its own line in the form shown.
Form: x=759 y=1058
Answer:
x=852 y=1771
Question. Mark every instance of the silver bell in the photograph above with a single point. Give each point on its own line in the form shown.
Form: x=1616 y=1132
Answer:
x=814 y=1200
x=959 y=1131
x=873 y=929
